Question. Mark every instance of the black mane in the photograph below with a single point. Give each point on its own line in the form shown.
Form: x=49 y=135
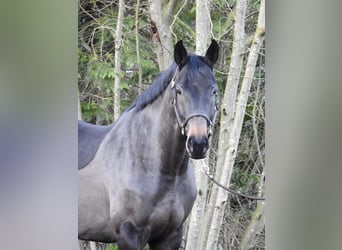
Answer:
x=162 y=81
x=155 y=89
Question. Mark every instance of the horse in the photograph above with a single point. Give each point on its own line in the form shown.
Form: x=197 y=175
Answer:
x=136 y=181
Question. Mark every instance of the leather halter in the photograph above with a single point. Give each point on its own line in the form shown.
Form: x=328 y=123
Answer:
x=182 y=124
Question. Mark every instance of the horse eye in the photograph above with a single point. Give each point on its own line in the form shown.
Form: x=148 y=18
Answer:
x=179 y=90
x=215 y=92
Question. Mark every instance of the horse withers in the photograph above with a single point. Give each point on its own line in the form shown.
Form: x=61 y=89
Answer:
x=136 y=183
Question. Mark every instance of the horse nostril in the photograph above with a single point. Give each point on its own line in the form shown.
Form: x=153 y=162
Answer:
x=204 y=150
x=189 y=145
x=197 y=146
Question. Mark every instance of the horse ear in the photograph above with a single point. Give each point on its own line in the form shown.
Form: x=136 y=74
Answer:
x=180 y=54
x=212 y=53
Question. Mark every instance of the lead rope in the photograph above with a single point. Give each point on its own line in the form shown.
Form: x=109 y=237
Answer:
x=205 y=170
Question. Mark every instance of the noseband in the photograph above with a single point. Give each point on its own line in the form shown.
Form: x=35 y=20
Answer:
x=182 y=124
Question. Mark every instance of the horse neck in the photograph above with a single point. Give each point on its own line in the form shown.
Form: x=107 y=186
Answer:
x=173 y=156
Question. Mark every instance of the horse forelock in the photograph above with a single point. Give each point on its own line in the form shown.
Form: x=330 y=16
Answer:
x=197 y=65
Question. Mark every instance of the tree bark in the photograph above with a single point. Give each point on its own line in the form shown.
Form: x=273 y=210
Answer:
x=254 y=227
x=81 y=245
x=138 y=47
x=118 y=43
x=162 y=15
x=79 y=112
x=257 y=222
x=197 y=213
x=237 y=125
x=227 y=109
x=92 y=245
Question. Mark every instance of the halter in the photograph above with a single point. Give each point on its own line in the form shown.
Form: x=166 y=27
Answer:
x=182 y=124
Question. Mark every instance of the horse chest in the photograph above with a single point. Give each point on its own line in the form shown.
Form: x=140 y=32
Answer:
x=168 y=214
x=156 y=205
x=173 y=205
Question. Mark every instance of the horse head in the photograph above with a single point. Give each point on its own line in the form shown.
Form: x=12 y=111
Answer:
x=194 y=97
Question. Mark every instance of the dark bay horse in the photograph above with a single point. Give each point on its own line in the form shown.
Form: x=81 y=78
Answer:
x=136 y=184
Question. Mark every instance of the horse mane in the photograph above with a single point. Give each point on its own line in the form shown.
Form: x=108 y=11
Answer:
x=162 y=81
x=155 y=89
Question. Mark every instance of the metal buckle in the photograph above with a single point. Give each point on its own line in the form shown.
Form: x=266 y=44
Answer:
x=173 y=82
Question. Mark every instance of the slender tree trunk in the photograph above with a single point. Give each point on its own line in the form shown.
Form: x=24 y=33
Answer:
x=227 y=110
x=79 y=112
x=162 y=16
x=203 y=31
x=81 y=245
x=92 y=245
x=257 y=222
x=237 y=124
x=137 y=46
x=197 y=213
x=254 y=227
x=258 y=218
x=118 y=43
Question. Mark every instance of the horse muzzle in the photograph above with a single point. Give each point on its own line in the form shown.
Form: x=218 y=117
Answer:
x=197 y=143
x=197 y=147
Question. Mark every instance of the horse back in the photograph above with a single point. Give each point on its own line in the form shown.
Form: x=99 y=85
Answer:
x=89 y=139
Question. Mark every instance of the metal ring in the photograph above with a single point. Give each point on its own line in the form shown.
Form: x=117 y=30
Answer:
x=205 y=169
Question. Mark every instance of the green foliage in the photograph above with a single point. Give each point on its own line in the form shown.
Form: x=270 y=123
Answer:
x=95 y=110
x=100 y=73
x=96 y=49
x=243 y=180
x=96 y=58
x=111 y=247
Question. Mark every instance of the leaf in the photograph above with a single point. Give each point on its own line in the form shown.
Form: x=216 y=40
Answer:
x=124 y=85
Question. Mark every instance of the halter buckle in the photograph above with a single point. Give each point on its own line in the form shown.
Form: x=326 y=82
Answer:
x=173 y=82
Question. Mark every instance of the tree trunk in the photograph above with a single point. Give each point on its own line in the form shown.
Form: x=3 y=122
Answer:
x=138 y=47
x=257 y=222
x=162 y=16
x=237 y=123
x=118 y=43
x=92 y=245
x=203 y=31
x=81 y=245
x=227 y=110
x=254 y=227
x=197 y=213
x=79 y=112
